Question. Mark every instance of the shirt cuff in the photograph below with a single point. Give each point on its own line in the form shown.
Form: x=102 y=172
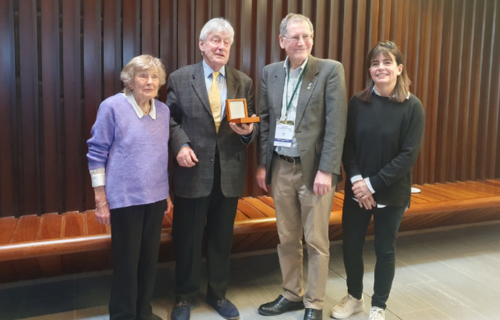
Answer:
x=98 y=177
x=356 y=178
x=369 y=185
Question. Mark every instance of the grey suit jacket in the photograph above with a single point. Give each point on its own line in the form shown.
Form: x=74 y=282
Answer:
x=320 y=124
x=192 y=123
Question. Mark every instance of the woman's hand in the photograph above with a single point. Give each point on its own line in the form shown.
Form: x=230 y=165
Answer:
x=363 y=194
x=102 y=214
x=368 y=203
x=169 y=207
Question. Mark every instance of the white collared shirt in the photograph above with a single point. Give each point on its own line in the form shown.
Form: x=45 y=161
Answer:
x=288 y=89
x=138 y=111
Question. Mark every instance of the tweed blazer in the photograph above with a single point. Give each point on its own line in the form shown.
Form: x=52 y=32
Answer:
x=192 y=123
x=321 y=117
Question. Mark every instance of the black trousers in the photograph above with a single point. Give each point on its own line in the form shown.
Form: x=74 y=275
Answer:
x=355 y=221
x=135 y=237
x=187 y=230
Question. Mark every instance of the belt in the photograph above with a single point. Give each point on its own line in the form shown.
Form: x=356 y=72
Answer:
x=292 y=160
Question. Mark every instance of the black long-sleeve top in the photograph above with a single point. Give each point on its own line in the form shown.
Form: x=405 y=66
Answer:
x=382 y=143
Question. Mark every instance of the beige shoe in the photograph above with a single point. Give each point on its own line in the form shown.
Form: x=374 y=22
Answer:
x=347 y=307
x=377 y=313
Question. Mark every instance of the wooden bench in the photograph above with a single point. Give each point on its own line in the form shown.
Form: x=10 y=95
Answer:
x=55 y=244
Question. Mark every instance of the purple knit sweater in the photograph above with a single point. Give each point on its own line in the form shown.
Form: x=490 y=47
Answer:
x=134 y=152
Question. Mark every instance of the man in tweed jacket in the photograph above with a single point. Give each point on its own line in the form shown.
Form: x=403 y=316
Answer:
x=210 y=168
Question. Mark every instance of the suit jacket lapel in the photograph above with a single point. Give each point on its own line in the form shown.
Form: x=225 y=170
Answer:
x=307 y=87
x=200 y=87
x=232 y=84
x=276 y=88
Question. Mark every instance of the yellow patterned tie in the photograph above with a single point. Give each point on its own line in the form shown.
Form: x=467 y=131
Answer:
x=214 y=99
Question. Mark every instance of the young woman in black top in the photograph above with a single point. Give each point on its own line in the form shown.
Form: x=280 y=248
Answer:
x=384 y=128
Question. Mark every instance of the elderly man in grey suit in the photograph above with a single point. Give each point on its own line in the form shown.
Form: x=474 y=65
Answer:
x=204 y=142
x=303 y=110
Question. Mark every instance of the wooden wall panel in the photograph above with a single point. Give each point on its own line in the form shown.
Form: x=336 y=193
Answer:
x=131 y=29
x=92 y=79
x=493 y=158
x=51 y=110
x=66 y=57
x=74 y=168
x=29 y=105
x=443 y=138
x=149 y=27
x=484 y=94
x=112 y=53
x=168 y=39
x=9 y=168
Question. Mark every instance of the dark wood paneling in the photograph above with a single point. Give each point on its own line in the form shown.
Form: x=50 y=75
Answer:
x=186 y=45
x=9 y=169
x=28 y=127
x=51 y=102
x=112 y=50
x=149 y=27
x=66 y=56
x=92 y=83
x=74 y=171
x=131 y=29
x=168 y=39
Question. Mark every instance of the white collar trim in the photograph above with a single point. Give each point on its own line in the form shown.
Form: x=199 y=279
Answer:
x=138 y=111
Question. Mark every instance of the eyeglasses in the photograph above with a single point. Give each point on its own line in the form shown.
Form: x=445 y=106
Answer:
x=295 y=39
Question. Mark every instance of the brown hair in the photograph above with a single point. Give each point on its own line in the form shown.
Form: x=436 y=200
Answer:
x=402 y=89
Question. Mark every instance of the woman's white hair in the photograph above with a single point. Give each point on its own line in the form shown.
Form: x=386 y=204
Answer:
x=142 y=62
x=216 y=25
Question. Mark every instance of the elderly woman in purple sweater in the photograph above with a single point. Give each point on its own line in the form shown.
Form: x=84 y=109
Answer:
x=128 y=160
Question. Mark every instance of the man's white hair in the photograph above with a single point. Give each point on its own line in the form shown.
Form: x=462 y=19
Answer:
x=293 y=17
x=216 y=25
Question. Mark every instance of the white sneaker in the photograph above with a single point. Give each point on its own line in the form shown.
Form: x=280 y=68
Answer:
x=377 y=314
x=347 y=307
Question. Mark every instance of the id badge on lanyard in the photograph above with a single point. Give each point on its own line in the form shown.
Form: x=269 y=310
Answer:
x=284 y=128
x=284 y=133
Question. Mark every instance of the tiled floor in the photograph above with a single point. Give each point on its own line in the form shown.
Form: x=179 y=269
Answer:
x=452 y=274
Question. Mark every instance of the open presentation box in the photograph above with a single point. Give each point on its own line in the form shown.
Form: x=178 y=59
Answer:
x=237 y=112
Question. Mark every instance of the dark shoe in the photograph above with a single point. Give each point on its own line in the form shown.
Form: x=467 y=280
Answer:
x=225 y=308
x=313 y=314
x=279 y=306
x=181 y=311
x=155 y=317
